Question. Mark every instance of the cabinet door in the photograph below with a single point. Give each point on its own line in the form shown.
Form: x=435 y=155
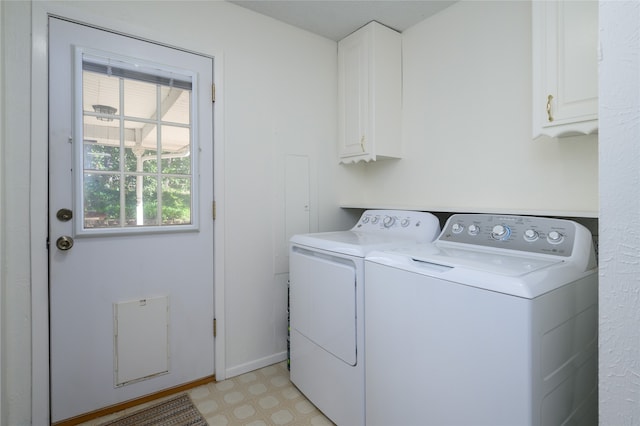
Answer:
x=353 y=60
x=565 y=60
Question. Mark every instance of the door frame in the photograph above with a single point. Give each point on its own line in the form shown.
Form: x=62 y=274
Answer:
x=41 y=11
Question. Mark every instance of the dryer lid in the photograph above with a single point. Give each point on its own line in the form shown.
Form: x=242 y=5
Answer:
x=352 y=243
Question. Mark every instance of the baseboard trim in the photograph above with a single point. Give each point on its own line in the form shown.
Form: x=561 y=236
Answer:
x=256 y=364
x=133 y=402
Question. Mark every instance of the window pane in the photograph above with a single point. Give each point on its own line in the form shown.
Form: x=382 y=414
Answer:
x=104 y=130
x=176 y=150
x=176 y=165
x=140 y=99
x=150 y=200
x=100 y=94
x=101 y=150
x=101 y=157
x=175 y=105
x=140 y=147
x=130 y=189
x=141 y=160
x=176 y=201
x=101 y=200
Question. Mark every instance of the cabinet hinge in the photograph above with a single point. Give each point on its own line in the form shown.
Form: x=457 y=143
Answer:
x=213 y=210
x=213 y=92
x=215 y=328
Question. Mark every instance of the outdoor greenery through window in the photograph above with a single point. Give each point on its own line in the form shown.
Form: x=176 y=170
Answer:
x=137 y=168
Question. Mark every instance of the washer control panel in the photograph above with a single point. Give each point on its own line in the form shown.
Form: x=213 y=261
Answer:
x=419 y=226
x=522 y=233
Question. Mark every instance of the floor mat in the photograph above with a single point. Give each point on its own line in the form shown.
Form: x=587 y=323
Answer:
x=178 y=411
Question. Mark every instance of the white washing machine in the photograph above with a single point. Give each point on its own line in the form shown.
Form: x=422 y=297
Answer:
x=326 y=306
x=495 y=323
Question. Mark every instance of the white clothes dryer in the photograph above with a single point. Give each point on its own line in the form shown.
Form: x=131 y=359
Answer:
x=326 y=306
x=495 y=323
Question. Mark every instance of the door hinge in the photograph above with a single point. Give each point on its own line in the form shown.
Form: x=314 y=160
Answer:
x=215 y=328
x=213 y=92
x=213 y=210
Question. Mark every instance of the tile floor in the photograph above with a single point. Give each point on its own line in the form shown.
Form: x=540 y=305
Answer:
x=258 y=398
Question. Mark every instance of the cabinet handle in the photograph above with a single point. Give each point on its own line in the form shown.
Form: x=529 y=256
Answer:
x=549 y=116
x=362 y=143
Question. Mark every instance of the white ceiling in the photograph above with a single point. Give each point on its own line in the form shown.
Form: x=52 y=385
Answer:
x=336 y=19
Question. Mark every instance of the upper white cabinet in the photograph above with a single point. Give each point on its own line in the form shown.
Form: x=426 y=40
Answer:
x=370 y=94
x=565 y=67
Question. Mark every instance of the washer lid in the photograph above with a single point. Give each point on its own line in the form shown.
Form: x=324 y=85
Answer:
x=501 y=264
x=521 y=276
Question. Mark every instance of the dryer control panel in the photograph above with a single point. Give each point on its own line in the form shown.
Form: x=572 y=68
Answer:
x=418 y=226
x=520 y=233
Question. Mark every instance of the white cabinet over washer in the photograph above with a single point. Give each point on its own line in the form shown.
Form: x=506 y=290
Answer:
x=370 y=94
x=565 y=67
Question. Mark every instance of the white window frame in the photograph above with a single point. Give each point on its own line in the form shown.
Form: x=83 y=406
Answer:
x=163 y=70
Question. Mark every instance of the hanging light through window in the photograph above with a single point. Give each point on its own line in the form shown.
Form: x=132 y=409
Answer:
x=104 y=109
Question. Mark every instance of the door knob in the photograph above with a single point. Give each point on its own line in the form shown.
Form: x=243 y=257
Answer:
x=64 y=215
x=64 y=243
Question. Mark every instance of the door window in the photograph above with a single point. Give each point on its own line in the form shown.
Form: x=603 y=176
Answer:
x=136 y=151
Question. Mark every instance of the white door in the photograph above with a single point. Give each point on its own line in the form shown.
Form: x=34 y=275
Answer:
x=131 y=232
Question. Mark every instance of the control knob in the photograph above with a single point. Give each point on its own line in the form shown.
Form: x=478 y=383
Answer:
x=474 y=230
x=500 y=232
x=405 y=223
x=389 y=221
x=375 y=219
x=457 y=228
x=530 y=235
x=554 y=237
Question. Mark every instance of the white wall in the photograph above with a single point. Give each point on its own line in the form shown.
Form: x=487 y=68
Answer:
x=619 y=213
x=16 y=291
x=3 y=410
x=468 y=124
x=278 y=94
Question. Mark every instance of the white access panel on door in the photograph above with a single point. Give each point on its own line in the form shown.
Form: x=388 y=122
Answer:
x=141 y=339
x=329 y=318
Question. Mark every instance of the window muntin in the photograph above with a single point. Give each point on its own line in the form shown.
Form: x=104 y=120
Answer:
x=137 y=151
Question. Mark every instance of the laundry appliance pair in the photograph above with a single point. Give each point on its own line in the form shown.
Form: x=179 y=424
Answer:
x=494 y=323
